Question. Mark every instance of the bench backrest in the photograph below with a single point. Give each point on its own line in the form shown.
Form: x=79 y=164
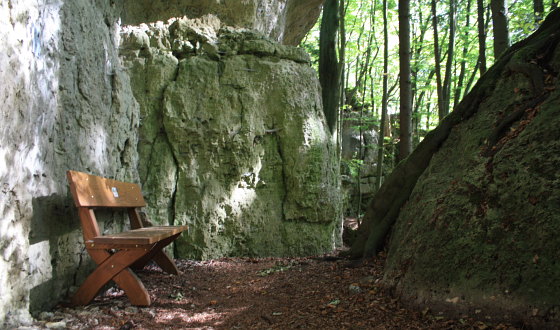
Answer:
x=91 y=191
x=95 y=191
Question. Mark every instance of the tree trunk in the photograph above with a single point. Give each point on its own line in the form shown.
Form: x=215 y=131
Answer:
x=463 y=65
x=417 y=96
x=538 y=9
x=328 y=65
x=500 y=22
x=481 y=37
x=437 y=57
x=450 y=56
x=395 y=191
x=341 y=71
x=381 y=139
x=405 y=143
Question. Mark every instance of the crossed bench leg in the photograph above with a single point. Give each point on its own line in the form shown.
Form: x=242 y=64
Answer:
x=115 y=266
x=156 y=254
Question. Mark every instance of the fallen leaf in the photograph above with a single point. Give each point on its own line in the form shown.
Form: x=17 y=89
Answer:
x=453 y=300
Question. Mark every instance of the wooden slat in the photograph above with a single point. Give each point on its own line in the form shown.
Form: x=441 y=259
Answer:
x=92 y=191
x=142 y=236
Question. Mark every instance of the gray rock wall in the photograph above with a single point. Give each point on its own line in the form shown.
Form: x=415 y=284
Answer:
x=228 y=137
x=233 y=140
x=65 y=105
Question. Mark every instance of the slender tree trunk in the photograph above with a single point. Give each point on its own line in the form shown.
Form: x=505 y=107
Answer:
x=538 y=8
x=328 y=64
x=341 y=67
x=405 y=116
x=437 y=55
x=450 y=57
x=481 y=37
x=419 y=44
x=500 y=22
x=381 y=138
x=463 y=65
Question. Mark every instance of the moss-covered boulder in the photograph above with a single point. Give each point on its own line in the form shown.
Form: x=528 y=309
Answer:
x=477 y=205
x=233 y=140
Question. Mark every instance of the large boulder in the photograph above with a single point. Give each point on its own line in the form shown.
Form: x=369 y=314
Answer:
x=233 y=140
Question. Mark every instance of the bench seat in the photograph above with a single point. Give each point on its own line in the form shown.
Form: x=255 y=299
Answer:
x=137 y=237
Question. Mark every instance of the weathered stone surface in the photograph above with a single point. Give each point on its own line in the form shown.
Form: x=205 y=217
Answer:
x=286 y=21
x=234 y=144
x=65 y=105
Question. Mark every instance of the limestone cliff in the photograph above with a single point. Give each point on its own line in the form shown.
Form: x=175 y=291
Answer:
x=68 y=103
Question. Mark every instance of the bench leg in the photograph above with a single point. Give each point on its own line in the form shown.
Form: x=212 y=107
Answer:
x=157 y=255
x=113 y=267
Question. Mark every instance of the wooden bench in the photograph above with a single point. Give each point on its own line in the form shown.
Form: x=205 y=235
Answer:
x=116 y=254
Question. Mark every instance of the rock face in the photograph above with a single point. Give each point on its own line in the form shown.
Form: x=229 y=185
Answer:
x=233 y=140
x=65 y=105
x=236 y=167
x=480 y=229
x=285 y=21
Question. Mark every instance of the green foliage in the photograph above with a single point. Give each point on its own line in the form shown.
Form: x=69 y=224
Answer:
x=352 y=166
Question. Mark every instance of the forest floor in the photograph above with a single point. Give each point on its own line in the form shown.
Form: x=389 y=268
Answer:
x=324 y=292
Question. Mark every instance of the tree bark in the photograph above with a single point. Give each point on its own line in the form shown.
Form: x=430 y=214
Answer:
x=450 y=56
x=437 y=57
x=328 y=65
x=500 y=22
x=385 y=97
x=481 y=37
x=341 y=71
x=405 y=115
x=538 y=9
x=463 y=65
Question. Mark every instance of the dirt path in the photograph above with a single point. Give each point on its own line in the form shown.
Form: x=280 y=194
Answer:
x=243 y=293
